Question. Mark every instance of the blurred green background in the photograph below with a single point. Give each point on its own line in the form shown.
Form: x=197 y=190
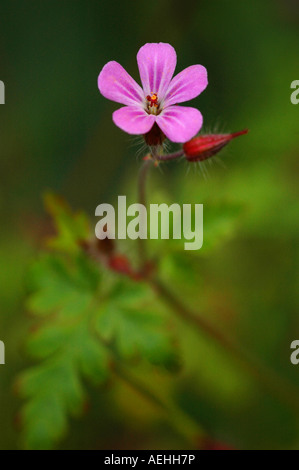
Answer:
x=56 y=133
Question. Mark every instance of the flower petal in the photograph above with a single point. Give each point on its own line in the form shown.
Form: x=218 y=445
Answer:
x=117 y=85
x=156 y=63
x=180 y=123
x=133 y=120
x=187 y=85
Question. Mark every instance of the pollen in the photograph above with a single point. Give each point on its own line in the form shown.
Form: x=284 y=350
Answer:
x=152 y=99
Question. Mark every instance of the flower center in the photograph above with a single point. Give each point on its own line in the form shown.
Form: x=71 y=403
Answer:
x=152 y=105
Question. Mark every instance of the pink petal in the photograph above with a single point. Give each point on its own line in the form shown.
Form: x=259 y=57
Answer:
x=133 y=120
x=156 y=62
x=117 y=85
x=187 y=85
x=180 y=123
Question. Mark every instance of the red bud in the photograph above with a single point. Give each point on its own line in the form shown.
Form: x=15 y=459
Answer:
x=206 y=146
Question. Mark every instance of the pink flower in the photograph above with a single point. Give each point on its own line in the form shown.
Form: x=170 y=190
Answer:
x=155 y=103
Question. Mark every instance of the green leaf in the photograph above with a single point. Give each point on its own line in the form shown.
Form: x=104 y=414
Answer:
x=52 y=389
x=82 y=323
x=66 y=291
x=61 y=286
x=134 y=322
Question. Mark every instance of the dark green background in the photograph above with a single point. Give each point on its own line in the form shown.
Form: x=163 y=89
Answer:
x=56 y=133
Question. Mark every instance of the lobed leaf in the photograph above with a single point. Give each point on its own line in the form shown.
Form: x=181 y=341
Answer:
x=82 y=323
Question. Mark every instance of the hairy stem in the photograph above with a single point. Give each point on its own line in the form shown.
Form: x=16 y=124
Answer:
x=169 y=156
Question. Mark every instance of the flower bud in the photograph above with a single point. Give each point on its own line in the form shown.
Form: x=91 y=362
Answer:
x=206 y=146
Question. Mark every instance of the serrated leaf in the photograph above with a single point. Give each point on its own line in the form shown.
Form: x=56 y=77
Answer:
x=61 y=286
x=66 y=291
x=77 y=317
x=126 y=321
x=44 y=416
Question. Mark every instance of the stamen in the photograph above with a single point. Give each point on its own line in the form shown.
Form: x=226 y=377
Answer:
x=153 y=100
